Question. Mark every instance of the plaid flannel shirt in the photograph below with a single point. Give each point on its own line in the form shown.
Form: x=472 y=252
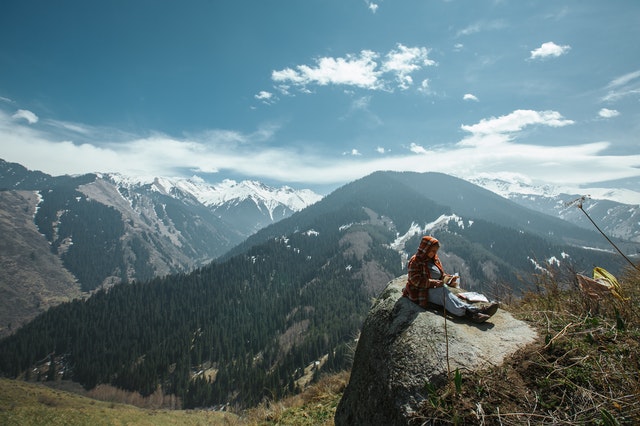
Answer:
x=417 y=288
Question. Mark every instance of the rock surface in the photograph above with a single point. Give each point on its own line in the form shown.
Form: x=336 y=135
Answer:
x=402 y=347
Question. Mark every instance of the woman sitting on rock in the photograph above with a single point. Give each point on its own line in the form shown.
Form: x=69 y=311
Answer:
x=428 y=283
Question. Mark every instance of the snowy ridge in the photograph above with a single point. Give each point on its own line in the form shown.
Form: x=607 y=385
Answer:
x=226 y=192
x=616 y=210
x=126 y=181
x=508 y=185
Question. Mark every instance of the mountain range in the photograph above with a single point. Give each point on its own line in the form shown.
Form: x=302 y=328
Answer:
x=133 y=228
x=73 y=234
x=603 y=205
x=248 y=324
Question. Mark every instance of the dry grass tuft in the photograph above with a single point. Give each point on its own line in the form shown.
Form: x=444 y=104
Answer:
x=316 y=405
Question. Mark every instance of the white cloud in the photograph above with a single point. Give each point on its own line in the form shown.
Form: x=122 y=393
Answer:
x=625 y=79
x=373 y=7
x=481 y=27
x=361 y=103
x=264 y=96
x=405 y=60
x=558 y=15
x=226 y=152
x=73 y=127
x=417 y=149
x=424 y=87
x=354 y=70
x=549 y=49
x=26 y=115
x=608 y=113
x=380 y=150
x=623 y=86
x=516 y=121
x=470 y=97
x=361 y=70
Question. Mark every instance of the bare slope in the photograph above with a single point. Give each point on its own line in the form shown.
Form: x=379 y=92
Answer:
x=32 y=278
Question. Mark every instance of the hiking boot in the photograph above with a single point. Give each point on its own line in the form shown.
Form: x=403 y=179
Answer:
x=474 y=314
x=481 y=313
x=479 y=317
x=490 y=309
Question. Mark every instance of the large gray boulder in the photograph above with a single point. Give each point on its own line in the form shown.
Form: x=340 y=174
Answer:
x=402 y=347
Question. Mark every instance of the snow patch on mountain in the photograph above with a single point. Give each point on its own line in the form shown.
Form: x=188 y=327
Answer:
x=440 y=223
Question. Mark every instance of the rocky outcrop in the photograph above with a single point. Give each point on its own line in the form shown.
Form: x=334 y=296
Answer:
x=402 y=347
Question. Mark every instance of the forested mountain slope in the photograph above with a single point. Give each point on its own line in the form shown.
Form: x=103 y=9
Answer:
x=109 y=228
x=481 y=225
x=253 y=322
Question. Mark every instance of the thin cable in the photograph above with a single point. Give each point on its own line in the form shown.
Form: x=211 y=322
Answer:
x=578 y=202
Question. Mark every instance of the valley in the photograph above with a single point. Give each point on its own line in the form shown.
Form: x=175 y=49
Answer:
x=290 y=295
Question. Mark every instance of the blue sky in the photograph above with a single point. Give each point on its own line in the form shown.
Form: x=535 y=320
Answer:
x=316 y=94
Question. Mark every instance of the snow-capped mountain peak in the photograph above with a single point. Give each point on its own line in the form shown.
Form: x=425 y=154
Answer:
x=617 y=210
x=247 y=205
x=508 y=185
x=226 y=192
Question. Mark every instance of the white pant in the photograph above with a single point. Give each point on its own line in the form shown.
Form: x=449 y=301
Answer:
x=452 y=303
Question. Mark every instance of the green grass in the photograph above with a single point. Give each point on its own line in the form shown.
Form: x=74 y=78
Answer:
x=24 y=404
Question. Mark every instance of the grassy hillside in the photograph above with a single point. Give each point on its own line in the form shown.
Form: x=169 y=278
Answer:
x=24 y=404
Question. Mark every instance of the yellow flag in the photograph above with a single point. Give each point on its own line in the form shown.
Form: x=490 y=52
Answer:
x=602 y=276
